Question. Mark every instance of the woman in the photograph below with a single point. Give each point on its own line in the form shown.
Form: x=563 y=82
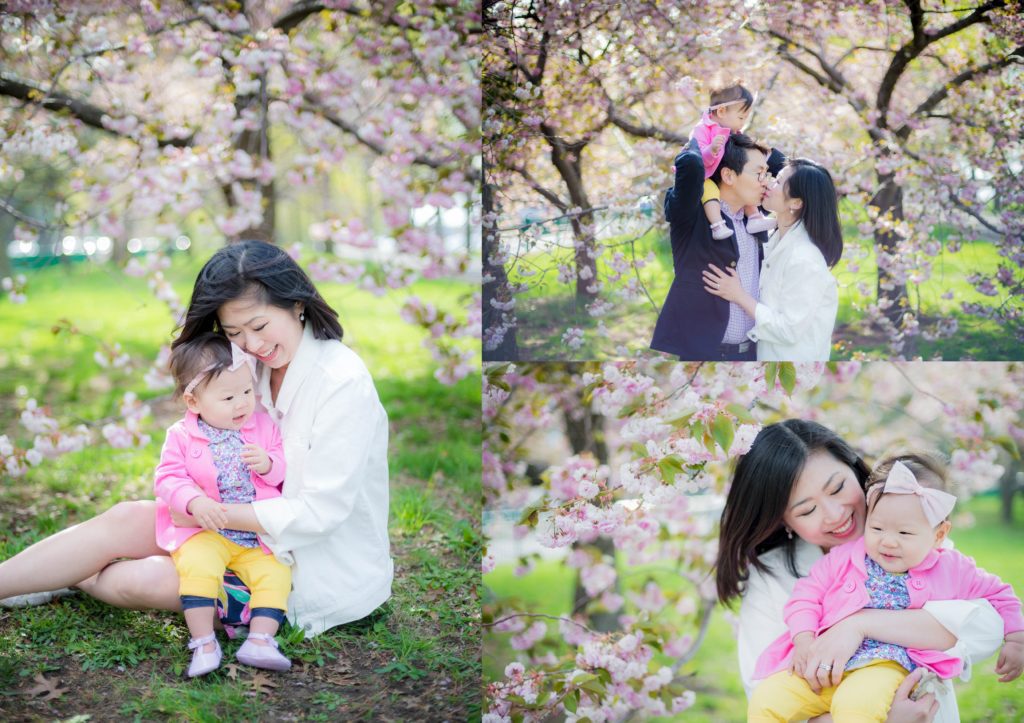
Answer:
x=798 y=492
x=794 y=318
x=330 y=523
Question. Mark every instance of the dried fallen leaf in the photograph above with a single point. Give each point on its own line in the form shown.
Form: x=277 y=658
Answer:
x=51 y=688
x=232 y=671
x=262 y=684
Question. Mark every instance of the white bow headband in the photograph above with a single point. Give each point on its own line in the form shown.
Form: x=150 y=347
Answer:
x=901 y=481
x=238 y=358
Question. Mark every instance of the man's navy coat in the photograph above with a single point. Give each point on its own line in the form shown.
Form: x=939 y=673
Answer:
x=692 y=322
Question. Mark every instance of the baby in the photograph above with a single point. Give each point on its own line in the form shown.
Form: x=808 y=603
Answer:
x=223 y=451
x=899 y=563
x=727 y=114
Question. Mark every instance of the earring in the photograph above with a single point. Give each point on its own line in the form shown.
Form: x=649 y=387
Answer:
x=302 y=316
x=789 y=533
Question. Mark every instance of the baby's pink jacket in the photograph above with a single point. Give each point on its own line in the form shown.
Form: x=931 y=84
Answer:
x=705 y=132
x=834 y=589
x=186 y=471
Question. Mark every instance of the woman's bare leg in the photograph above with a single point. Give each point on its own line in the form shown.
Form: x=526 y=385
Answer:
x=147 y=584
x=125 y=530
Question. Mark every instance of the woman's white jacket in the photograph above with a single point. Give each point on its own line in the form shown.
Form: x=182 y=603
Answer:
x=331 y=522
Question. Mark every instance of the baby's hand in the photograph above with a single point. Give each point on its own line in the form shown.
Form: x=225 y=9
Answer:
x=1011 y=658
x=257 y=459
x=717 y=143
x=208 y=513
x=801 y=647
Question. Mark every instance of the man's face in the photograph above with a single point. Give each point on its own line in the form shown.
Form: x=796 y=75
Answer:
x=751 y=183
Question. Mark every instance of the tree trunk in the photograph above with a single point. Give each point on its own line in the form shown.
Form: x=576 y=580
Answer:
x=567 y=159
x=586 y=434
x=889 y=201
x=257 y=144
x=496 y=288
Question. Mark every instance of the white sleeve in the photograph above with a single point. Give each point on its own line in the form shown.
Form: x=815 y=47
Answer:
x=802 y=290
x=976 y=625
x=344 y=445
x=760 y=620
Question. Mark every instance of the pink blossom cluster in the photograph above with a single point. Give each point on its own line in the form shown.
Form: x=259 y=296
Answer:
x=129 y=431
x=15 y=287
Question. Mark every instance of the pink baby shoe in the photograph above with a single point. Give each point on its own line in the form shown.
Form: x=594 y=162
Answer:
x=203 y=663
x=262 y=656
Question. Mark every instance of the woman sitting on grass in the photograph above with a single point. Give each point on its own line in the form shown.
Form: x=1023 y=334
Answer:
x=330 y=523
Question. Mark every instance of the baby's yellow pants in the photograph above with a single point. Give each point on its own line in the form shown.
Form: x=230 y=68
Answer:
x=864 y=694
x=711 y=192
x=202 y=559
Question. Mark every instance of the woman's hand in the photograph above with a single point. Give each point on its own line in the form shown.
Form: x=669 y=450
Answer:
x=209 y=514
x=905 y=710
x=725 y=284
x=1011 y=658
x=834 y=648
x=256 y=458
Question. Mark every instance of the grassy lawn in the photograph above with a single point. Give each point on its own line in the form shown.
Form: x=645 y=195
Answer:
x=547 y=308
x=994 y=546
x=415 y=659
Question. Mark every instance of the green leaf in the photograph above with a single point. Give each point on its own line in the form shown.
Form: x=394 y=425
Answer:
x=770 y=370
x=583 y=678
x=531 y=515
x=670 y=466
x=1010 y=446
x=723 y=431
x=741 y=413
x=639 y=450
x=594 y=686
x=630 y=408
x=681 y=420
x=787 y=375
x=572 y=701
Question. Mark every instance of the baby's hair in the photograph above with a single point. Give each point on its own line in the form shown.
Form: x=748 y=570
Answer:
x=731 y=92
x=189 y=360
x=929 y=469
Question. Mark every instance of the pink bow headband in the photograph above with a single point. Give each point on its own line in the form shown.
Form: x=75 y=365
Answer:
x=901 y=481
x=716 y=106
x=238 y=358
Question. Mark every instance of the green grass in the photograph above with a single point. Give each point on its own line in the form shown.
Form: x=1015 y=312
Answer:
x=548 y=589
x=419 y=652
x=547 y=307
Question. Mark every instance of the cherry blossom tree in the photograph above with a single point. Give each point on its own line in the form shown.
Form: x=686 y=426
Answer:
x=913 y=106
x=212 y=117
x=671 y=431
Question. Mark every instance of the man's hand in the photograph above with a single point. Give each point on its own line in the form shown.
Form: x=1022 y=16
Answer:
x=257 y=459
x=1011 y=658
x=209 y=514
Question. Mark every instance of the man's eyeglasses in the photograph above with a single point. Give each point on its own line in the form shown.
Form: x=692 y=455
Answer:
x=762 y=176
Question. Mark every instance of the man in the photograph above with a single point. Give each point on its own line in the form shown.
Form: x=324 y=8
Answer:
x=694 y=324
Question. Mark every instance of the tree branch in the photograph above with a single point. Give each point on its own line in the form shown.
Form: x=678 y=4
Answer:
x=551 y=196
x=314 y=105
x=294 y=15
x=643 y=131
x=921 y=40
x=57 y=102
x=1016 y=56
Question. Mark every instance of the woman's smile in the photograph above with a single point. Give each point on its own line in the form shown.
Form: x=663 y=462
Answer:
x=846 y=529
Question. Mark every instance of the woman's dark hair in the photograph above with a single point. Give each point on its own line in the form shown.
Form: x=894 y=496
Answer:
x=734 y=154
x=260 y=270
x=731 y=92
x=812 y=184
x=761 y=485
x=208 y=351
x=929 y=470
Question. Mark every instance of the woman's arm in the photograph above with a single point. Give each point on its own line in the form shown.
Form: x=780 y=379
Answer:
x=968 y=629
x=241 y=516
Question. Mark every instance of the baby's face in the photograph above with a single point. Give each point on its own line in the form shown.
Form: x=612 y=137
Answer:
x=227 y=401
x=734 y=117
x=897 y=535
